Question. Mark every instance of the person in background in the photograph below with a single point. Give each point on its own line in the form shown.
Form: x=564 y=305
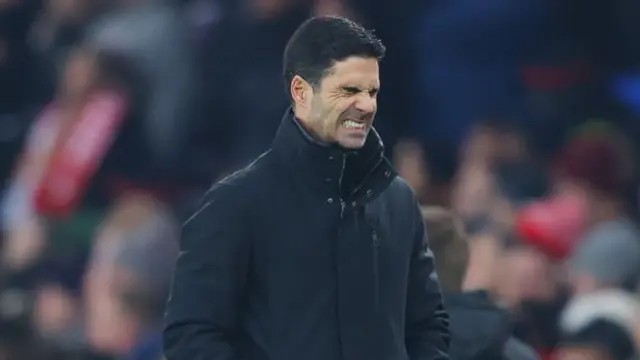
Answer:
x=597 y=166
x=54 y=35
x=480 y=329
x=128 y=280
x=578 y=239
x=145 y=47
x=244 y=97
x=599 y=326
x=607 y=257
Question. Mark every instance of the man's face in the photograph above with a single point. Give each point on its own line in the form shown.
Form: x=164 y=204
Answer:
x=343 y=107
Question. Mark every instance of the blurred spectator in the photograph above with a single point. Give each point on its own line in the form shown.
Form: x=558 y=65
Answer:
x=144 y=47
x=411 y=163
x=607 y=257
x=480 y=329
x=599 y=168
x=57 y=30
x=128 y=279
x=40 y=168
x=553 y=225
x=245 y=97
x=600 y=325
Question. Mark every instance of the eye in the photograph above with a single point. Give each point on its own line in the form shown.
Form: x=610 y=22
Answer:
x=351 y=90
x=374 y=92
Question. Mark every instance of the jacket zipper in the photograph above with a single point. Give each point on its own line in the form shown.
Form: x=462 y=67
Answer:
x=375 y=238
x=376 y=275
x=342 y=203
x=342 y=211
x=366 y=177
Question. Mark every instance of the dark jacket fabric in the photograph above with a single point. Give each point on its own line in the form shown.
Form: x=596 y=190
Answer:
x=308 y=253
x=480 y=330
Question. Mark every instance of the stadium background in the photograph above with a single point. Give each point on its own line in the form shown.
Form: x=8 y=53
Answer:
x=522 y=116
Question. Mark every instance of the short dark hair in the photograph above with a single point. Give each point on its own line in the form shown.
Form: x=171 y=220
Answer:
x=322 y=41
x=449 y=244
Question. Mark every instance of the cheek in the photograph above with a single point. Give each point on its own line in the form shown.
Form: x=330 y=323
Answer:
x=339 y=108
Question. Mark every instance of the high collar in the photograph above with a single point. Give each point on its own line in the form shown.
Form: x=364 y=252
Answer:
x=323 y=162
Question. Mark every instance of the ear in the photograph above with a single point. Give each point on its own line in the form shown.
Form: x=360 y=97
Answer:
x=300 y=90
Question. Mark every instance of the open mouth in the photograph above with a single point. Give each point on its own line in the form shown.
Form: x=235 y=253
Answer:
x=352 y=124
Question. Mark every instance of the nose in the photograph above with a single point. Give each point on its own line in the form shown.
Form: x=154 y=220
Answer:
x=366 y=103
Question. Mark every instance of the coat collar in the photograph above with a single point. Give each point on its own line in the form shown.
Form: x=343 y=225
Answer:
x=323 y=163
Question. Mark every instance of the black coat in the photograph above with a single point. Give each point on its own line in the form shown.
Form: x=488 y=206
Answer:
x=309 y=253
x=482 y=331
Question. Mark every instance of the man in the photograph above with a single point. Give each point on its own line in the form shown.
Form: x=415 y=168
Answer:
x=128 y=278
x=316 y=250
x=480 y=330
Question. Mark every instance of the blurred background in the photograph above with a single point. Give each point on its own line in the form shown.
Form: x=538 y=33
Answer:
x=115 y=115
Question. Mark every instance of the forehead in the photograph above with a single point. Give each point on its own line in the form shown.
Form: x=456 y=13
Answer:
x=354 y=71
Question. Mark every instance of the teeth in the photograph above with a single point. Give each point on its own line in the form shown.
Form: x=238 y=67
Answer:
x=353 y=125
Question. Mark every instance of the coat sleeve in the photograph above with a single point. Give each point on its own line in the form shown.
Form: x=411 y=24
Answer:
x=208 y=281
x=427 y=323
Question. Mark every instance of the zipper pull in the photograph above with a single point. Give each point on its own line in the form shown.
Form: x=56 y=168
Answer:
x=376 y=271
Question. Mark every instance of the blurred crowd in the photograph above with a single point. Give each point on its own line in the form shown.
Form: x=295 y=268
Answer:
x=115 y=115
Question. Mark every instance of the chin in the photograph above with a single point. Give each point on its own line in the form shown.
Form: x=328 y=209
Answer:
x=352 y=139
x=352 y=144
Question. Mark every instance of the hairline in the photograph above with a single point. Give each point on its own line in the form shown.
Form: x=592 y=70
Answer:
x=316 y=84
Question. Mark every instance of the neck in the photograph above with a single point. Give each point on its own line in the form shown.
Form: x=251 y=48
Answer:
x=301 y=115
x=307 y=129
x=325 y=165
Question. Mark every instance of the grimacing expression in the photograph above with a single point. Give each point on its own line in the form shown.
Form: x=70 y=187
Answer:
x=343 y=107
